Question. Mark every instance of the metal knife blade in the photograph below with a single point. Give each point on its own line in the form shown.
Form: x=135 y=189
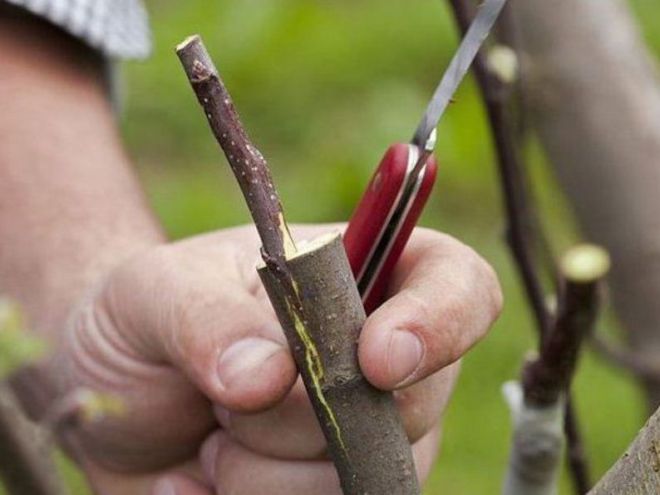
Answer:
x=459 y=66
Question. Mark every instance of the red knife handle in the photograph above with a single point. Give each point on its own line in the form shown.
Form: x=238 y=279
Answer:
x=373 y=213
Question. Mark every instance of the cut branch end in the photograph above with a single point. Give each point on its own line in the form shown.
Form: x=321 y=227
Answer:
x=586 y=263
x=503 y=62
x=195 y=38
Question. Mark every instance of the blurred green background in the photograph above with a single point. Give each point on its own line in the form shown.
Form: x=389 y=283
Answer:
x=323 y=88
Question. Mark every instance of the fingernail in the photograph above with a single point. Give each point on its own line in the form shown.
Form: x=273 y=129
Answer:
x=164 y=487
x=208 y=457
x=242 y=360
x=404 y=355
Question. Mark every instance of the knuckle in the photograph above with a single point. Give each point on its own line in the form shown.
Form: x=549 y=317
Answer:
x=146 y=293
x=420 y=311
x=439 y=324
x=454 y=317
x=434 y=242
x=472 y=298
x=484 y=279
x=489 y=281
x=462 y=296
x=496 y=295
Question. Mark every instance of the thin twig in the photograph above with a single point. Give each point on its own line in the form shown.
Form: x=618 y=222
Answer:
x=26 y=462
x=516 y=205
x=575 y=453
x=246 y=161
x=495 y=95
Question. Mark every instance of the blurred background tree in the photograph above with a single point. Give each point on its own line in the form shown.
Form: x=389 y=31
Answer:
x=322 y=88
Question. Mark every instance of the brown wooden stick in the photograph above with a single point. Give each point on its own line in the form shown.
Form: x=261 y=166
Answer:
x=363 y=428
x=247 y=163
x=317 y=302
x=26 y=462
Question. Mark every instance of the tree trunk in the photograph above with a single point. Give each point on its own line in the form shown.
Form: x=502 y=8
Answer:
x=594 y=96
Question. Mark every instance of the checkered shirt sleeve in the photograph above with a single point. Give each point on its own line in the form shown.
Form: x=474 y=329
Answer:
x=117 y=28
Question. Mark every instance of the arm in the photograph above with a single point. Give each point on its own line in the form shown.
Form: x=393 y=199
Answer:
x=70 y=207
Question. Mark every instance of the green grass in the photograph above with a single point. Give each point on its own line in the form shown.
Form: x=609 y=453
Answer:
x=323 y=88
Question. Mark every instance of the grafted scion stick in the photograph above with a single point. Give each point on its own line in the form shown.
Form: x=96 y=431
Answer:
x=538 y=403
x=549 y=376
x=317 y=302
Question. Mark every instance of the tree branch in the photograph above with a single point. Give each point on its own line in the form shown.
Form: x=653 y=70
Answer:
x=247 y=163
x=516 y=205
x=26 y=462
x=638 y=471
x=549 y=377
x=316 y=300
x=538 y=406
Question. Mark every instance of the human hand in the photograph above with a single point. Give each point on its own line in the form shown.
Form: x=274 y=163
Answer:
x=185 y=336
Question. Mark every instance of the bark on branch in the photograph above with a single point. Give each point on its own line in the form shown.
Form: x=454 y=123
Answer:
x=318 y=305
x=247 y=163
x=538 y=406
x=366 y=440
x=549 y=377
x=638 y=471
